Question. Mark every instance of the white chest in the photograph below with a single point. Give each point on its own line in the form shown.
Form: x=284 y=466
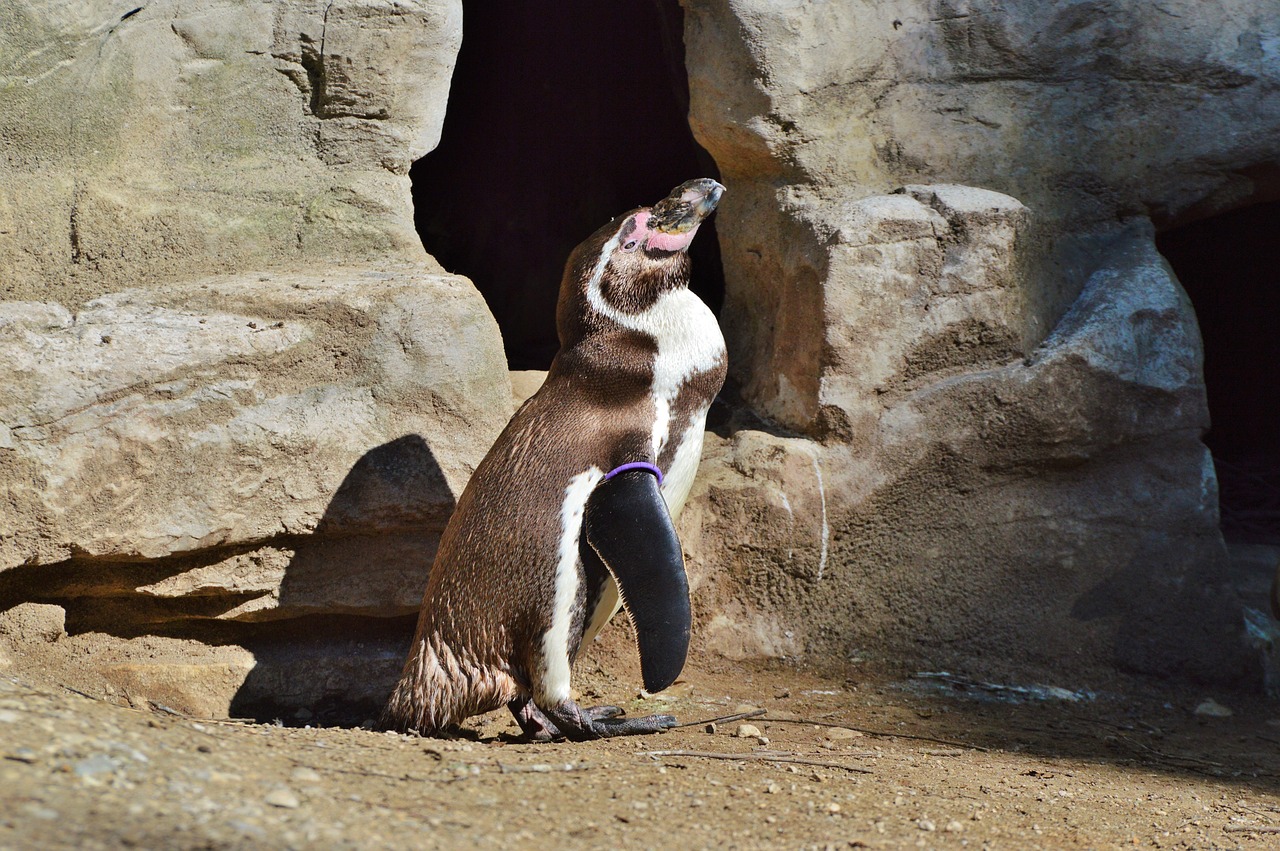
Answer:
x=689 y=342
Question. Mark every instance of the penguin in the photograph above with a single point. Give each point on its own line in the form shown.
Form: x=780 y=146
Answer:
x=570 y=515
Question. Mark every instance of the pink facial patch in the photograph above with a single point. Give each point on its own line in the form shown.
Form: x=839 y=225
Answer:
x=663 y=241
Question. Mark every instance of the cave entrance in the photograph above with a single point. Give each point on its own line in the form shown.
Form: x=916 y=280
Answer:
x=561 y=116
x=1230 y=267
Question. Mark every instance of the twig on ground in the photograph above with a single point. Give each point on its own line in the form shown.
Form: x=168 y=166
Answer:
x=724 y=719
x=1251 y=828
x=758 y=757
x=542 y=768
x=880 y=733
x=167 y=710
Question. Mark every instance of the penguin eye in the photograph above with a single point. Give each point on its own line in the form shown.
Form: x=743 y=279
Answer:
x=630 y=245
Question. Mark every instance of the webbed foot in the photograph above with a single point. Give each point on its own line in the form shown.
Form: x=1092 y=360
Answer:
x=603 y=722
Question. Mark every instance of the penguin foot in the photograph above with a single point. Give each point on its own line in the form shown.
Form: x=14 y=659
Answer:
x=536 y=726
x=600 y=713
x=602 y=722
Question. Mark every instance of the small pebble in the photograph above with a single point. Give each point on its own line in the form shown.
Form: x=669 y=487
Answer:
x=747 y=731
x=711 y=728
x=1210 y=708
x=23 y=754
x=306 y=775
x=95 y=765
x=926 y=825
x=833 y=808
x=837 y=734
x=283 y=798
x=953 y=826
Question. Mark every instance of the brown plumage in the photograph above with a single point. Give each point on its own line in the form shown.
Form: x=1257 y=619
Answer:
x=482 y=639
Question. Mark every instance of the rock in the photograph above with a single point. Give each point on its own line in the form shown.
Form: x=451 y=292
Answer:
x=28 y=622
x=1008 y=361
x=282 y=797
x=908 y=286
x=95 y=765
x=837 y=734
x=524 y=383
x=1043 y=105
x=747 y=731
x=288 y=128
x=1210 y=708
x=307 y=420
x=855 y=542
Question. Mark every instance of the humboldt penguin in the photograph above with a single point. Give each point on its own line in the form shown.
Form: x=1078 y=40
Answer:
x=569 y=517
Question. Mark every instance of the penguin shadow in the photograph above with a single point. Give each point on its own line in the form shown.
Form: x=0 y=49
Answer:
x=350 y=593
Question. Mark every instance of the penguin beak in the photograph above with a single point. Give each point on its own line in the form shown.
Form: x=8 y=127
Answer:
x=686 y=207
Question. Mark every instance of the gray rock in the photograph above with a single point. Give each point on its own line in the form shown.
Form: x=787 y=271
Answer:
x=288 y=128
x=336 y=413
x=1082 y=111
x=96 y=765
x=997 y=515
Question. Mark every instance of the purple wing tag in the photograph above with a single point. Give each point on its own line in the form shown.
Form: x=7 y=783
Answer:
x=635 y=465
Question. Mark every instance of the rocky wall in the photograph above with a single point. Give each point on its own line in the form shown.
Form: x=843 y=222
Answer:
x=943 y=295
x=241 y=400
x=964 y=426
x=157 y=142
x=1087 y=112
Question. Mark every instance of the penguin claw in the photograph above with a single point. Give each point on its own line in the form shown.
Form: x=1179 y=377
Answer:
x=600 y=713
x=570 y=721
x=535 y=725
x=579 y=725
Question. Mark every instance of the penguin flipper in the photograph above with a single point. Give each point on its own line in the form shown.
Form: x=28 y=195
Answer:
x=628 y=528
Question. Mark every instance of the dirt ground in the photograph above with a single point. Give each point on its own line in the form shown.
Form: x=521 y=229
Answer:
x=846 y=759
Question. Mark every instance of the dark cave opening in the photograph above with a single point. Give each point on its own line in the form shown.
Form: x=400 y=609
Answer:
x=1230 y=267
x=560 y=117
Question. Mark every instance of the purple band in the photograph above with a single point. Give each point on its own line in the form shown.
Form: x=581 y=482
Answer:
x=635 y=465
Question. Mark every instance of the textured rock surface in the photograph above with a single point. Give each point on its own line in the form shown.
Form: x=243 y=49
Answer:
x=180 y=138
x=1057 y=507
x=983 y=403
x=244 y=447
x=1003 y=396
x=218 y=457
x=1083 y=111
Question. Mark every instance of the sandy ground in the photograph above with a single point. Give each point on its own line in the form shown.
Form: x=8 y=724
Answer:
x=845 y=759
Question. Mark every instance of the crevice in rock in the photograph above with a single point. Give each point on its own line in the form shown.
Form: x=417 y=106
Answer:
x=1229 y=265
x=312 y=60
x=561 y=116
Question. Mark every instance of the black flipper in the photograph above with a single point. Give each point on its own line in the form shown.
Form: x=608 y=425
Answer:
x=627 y=526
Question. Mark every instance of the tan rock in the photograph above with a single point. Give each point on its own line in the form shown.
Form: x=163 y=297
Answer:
x=287 y=130
x=27 y=622
x=977 y=496
x=344 y=410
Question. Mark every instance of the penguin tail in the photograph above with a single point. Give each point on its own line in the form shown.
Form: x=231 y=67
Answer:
x=437 y=690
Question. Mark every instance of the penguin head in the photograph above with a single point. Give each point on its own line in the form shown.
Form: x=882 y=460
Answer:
x=624 y=267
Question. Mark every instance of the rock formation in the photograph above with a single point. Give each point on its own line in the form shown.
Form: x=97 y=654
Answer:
x=1005 y=395
x=242 y=399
